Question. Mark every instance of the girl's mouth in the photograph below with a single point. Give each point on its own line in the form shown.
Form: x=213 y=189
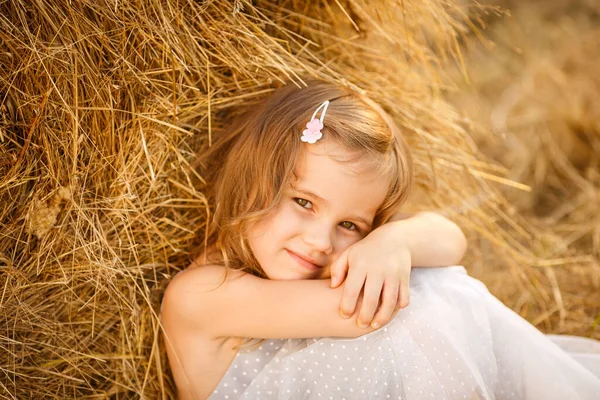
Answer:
x=304 y=262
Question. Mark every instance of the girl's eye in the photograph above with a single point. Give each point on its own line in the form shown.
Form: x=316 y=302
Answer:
x=348 y=225
x=303 y=203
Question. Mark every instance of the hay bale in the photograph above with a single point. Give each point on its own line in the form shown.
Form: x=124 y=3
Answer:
x=103 y=107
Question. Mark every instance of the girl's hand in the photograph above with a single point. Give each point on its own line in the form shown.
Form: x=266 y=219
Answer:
x=380 y=262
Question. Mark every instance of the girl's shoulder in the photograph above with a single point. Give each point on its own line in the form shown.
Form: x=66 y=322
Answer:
x=191 y=292
x=205 y=274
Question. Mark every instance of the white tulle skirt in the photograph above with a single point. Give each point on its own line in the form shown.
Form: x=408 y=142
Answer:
x=454 y=341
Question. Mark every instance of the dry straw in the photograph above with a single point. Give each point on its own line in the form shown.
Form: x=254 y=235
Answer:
x=103 y=107
x=538 y=92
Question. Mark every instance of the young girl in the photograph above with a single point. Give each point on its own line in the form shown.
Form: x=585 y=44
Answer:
x=308 y=188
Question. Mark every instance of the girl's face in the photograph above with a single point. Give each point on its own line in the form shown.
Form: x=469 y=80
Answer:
x=329 y=206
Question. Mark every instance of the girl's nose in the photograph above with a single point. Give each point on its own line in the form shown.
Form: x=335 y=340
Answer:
x=319 y=238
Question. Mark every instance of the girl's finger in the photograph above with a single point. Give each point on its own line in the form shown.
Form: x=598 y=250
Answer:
x=372 y=291
x=389 y=299
x=403 y=295
x=352 y=287
x=338 y=269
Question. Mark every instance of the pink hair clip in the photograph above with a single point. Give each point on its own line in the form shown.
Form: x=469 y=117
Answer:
x=312 y=133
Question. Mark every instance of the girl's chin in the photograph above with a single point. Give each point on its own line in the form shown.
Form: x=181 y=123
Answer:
x=284 y=270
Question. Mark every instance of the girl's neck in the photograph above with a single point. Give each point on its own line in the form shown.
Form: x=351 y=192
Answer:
x=210 y=255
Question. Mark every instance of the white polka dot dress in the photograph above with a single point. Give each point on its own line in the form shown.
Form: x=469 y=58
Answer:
x=454 y=341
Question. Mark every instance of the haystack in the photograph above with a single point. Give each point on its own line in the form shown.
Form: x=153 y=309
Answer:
x=104 y=107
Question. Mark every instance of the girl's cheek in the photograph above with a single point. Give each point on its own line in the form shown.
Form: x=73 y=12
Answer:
x=297 y=213
x=344 y=241
x=293 y=216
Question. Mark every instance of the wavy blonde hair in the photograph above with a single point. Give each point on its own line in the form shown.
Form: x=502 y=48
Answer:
x=251 y=164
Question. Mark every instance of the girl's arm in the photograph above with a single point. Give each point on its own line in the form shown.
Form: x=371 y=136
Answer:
x=433 y=240
x=247 y=306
